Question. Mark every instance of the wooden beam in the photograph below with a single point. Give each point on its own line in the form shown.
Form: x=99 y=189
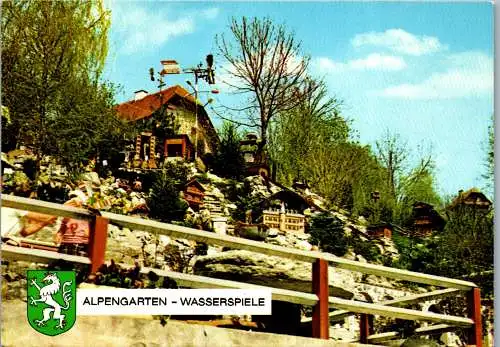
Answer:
x=45 y=207
x=422 y=331
x=320 y=321
x=39 y=256
x=475 y=333
x=397 y=312
x=365 y=327
x=195 y=281
x=398 y=274
x=97 y=242
x=338 y=315
x=177 y=231
x=416 y=298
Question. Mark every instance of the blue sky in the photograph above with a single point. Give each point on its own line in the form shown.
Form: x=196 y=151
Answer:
x=422 y=70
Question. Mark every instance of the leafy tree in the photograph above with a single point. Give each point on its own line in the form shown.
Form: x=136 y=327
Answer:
x=228 y=161
x=489 y=175
x=406 y=184
x=421 y=188
x=466 y=247
x=266 y=62
x=53 y=54
x=164 y=201
x=327 y=232
x=297 y=135
x=393 y=154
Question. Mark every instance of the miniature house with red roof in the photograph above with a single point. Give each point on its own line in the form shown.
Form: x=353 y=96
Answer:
x=193 y=194
x=192 y=131
x=380 y=230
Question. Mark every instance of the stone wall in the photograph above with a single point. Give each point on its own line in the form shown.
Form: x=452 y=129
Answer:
x=134 y=332
x=187 y=122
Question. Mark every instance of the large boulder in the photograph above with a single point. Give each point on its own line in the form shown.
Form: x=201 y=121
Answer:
x=249 y=267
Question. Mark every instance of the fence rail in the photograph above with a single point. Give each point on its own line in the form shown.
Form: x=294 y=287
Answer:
x=319 y=298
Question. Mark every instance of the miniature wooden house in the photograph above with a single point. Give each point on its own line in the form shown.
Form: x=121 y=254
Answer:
x=193 y=194
x=471 y=198
x=254 y=157
x=426 y=220
x=178 y=147
x=284 y=211
x=194 y=129
x=380 y=230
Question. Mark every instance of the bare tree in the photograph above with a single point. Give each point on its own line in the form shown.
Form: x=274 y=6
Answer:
x=393 y=154
x=265 y=62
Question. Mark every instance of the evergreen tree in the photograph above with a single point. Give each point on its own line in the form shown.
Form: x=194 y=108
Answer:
x=164 y=201
x=327 y=232
x=228 y=161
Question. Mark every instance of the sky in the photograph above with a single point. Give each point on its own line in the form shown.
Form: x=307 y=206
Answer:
x=423 y=70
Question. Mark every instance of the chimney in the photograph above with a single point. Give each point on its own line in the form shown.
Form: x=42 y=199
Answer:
x=139 y=94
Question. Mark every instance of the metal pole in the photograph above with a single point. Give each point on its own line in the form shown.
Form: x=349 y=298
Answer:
x=196 y=118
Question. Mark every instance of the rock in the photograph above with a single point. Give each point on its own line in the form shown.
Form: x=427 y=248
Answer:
x=350 y=255
x=360 y=258
x=302 y=236
x=304 y=245
x=270 y=271
x=92 y=177
x=347 y=231
x=272 y=232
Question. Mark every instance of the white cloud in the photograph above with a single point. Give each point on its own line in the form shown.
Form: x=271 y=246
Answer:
x=468 y=74
x=225 y=79
x=400 y=41
x=377 y=61
x=210 y=13
x=374 y=61
x=140 y=29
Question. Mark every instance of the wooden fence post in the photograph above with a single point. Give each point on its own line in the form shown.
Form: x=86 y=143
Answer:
x=320 y=320
x=365 y=327
x=475 y=333
x=97 y=242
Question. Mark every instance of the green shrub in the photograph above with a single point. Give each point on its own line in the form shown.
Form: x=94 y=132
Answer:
x=327 y=232
x=164 y=201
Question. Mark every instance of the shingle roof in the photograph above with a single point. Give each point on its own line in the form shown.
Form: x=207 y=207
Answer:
x=142 y=108
x=471 y=197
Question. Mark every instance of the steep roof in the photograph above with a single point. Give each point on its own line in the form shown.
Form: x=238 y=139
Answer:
x=138 y=109
x=135 y=110
x=195 y=182
x=471 y=197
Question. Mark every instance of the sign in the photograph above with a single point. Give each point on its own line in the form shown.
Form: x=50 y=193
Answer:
x=51 y=301
x=170 y=67
x=120 y=301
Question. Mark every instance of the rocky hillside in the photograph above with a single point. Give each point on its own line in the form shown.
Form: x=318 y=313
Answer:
x=223 y=198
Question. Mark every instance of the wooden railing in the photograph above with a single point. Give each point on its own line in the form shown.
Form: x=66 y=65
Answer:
x=319 y=298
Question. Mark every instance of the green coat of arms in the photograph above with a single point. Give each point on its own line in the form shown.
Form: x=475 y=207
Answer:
x=51 y=301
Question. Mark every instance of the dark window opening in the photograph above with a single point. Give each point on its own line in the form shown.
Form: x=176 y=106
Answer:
x=174 y=150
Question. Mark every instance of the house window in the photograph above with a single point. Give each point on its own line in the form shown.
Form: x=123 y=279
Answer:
x=174 y=150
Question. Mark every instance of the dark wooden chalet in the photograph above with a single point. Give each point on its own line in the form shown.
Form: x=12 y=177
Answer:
x=471 y=198
x=426 y=220
x=254 y=156
x=380 y=230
